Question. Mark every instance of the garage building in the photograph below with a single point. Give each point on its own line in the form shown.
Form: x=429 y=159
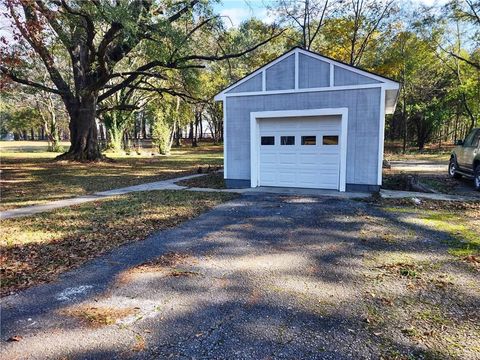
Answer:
x=306 y=121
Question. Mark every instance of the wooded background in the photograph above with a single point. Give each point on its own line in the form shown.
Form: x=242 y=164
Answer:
x=104 y=73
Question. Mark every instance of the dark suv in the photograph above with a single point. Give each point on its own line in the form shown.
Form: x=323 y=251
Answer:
x=465 y=159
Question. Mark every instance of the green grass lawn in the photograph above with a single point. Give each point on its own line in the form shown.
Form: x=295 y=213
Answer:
x=37 y=248
x=422 y=283
x=30 y=175
x=460 y=220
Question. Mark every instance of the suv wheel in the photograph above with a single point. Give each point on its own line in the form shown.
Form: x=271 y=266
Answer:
x=452 y=169
x=476 y=178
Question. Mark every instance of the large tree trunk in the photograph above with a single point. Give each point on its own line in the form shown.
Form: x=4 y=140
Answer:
x=83 y=131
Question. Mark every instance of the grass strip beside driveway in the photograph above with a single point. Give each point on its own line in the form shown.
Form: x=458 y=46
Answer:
x=212 y=180
x=460 y=220
x=36 y=249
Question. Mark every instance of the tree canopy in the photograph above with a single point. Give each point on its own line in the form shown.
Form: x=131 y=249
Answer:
x=114 y=61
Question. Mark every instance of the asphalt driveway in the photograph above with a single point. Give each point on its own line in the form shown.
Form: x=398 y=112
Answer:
x=260 y=277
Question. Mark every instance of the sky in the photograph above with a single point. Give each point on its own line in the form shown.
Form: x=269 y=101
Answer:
x=236 y=11
x=240 y=10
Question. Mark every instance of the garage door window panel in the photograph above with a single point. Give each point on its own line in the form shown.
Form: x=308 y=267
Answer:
x=330 y=140
x=287 y=140
x=309 y=140
x=267 y=140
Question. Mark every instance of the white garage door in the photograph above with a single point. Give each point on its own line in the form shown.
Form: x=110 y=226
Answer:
x=300 y=152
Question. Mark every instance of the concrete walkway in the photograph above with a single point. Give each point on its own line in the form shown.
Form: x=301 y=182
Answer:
x=397 y=194
x=170 y=184
x=157 y=185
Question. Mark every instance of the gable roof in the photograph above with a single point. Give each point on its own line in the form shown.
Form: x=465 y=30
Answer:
x=347 y=65
x=380 y=78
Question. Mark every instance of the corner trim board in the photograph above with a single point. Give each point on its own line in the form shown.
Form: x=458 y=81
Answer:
x=225 y=165
x=381 y=136
x=297 y=65
x=332 y=74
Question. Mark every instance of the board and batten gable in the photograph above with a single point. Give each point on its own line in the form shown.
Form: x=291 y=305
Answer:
x=304 y=81
x=312 y=72
x=281 y=76
x=253 y=84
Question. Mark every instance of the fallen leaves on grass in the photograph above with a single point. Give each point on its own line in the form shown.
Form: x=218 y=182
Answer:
x=25 y=172
x=37 y=248
x=473 y=260
x=403 y=269
x=411 y=331
x=97 y=316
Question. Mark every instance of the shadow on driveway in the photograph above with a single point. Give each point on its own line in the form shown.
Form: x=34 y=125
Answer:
x=260 y=277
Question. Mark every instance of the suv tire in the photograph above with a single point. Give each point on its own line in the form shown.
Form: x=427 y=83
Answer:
x=452 y=169
x=476 y=178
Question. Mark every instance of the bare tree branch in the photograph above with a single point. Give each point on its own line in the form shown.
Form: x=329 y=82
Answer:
x=190 y=33
x=227 y=56
x=370 y=33
x=22 y=81
x=120 y=107
x=33 y=40
x=187 y=7
x=177 y=64
x=139 y=73
x=320 y=23
x=458 y=57
x=475 y=15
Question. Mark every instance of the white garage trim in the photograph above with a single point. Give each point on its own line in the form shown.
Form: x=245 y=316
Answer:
x=255 y=146
x=225 y=139
x=381 y=137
